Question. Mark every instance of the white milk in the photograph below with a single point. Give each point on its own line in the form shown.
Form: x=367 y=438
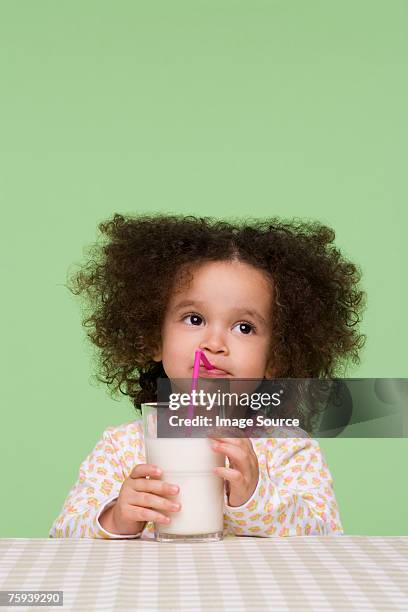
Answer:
x=189 y=463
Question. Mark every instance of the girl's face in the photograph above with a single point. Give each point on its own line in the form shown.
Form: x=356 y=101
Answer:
x=225 y=312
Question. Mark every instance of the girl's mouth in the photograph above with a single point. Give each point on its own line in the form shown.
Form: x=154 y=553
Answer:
x=214 y=373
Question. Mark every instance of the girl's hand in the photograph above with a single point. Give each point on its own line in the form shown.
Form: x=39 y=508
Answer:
x=243 y=471
x=139 y=500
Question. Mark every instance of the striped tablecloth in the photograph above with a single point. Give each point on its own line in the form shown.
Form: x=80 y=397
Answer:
x=239 y=573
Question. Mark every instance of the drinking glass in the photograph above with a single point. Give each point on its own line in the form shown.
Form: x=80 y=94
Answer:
x=187 y=462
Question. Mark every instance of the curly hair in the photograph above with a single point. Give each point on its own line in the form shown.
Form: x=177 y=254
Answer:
x=132 y=271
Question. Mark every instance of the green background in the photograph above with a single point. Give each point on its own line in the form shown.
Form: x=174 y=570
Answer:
x=218 y=108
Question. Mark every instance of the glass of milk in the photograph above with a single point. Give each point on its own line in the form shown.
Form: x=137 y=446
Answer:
x=187 y=462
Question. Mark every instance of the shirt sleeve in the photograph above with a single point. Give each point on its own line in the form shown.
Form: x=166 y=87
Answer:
x=98 y=485
x=294 y=493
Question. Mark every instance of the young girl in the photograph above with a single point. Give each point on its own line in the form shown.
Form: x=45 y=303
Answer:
x=266 y=299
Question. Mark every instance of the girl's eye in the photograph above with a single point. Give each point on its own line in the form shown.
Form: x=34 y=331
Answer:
x=193 y=316
x=244 y=327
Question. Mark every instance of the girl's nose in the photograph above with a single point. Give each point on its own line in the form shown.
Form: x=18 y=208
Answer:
x=214 y=342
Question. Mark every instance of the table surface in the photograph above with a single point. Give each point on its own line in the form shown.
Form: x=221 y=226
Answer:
x=238 y=573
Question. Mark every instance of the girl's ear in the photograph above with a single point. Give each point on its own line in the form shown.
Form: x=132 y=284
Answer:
x=270 y=371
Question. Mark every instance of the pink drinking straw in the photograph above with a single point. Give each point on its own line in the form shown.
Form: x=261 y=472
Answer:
x=199 y=356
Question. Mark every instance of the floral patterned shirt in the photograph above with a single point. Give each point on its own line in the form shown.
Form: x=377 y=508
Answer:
x=293 y=496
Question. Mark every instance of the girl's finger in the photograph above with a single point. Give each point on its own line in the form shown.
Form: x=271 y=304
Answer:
x=141 y=470
x=151 y=485
x=225 y=432
x=234 y=453
x=145 y=514
x=155 y=502
x=241 y=442
x=229 y=474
